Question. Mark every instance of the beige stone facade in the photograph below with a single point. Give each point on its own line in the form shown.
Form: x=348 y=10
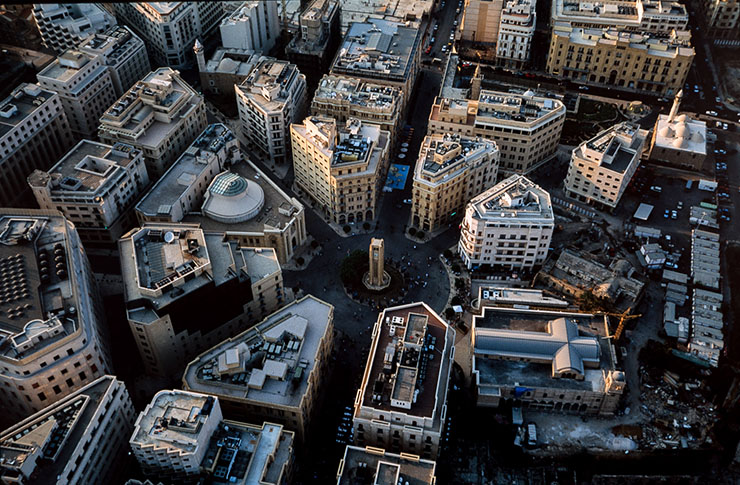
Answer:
x=722 y=21
x=481 y=21
x=341 y=168
x=450 y=171
x=642 y=62
x=526 y=127
x=282 y=382
x=602 y=167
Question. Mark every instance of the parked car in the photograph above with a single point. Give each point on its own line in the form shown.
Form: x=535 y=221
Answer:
x=712 y=113
x=666 y=214
x=674 y=215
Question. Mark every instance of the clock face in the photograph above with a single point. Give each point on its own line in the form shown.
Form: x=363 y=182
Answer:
x=375 y=254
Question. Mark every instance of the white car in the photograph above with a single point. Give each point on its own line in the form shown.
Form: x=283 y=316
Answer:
x=444 y=48
x=712 y=113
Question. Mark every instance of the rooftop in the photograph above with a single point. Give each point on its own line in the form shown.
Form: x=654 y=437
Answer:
x=22 y=103
x=380 y=49
x=89 y=167
x=174 y=421
x=79 y=18
x=37 y=300
x=629 y=13
x=232 y=61
x=66 y=66
x=269 y=363
x=352 y=91
x=113 y=44
x=501 y=295
x=676 y=44
x=375 y=466
x=409 y=366
x=516 y=197
x=392 y=10
x=530 y=347
x=449 y=155
x=615 y=148
x=681 y=133
x=270 y=82
x=53 y=434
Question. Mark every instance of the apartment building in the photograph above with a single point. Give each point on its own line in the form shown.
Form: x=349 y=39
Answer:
x=52 y=335
x=722 y=21
x=401 y=405
x=269 y=100
x=273 y=371
x=170 y=29
x=481 y=21
x=342 y=98
x=79 y=439
x=546 y=360
x=601 y=168
x=508 y=226
x=678 y=139
x=95 y=186
x=631 y=15
x=253 y=212
x=382 y=51
x=85 y=89
x=34 y=133
x=320 y=33
x=64 y=25
x=526 y=127
x=160 y=115
x=515 y=33
x=169 y=270
x=341 y=168
x=122 y=52
x=375 y=465
x=254 y=26
x=450 y=171
x=637 y=61
x=182 y=435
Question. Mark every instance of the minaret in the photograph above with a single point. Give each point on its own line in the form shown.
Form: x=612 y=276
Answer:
x=475 y=83
x=674 y=108
x=199 y=55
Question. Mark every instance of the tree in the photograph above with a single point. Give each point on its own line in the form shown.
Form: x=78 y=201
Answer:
x=412 y=230
x=449 y=313
x=459 y=283
x=420 y=234
x=300 y=261
x=314 y=244
x=366 y=225
x=455 y=267
x=456 y=300
x=447 y=253
x=353 y=267
x=346 y=229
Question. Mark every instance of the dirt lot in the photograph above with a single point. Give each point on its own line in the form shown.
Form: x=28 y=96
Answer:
x=730 y=71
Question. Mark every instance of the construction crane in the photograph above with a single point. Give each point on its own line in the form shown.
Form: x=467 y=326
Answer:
x=623 y=317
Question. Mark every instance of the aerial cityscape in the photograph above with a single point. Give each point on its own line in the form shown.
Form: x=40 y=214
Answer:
x=370 y=242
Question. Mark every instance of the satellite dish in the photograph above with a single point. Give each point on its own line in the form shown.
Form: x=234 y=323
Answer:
x=169 y=237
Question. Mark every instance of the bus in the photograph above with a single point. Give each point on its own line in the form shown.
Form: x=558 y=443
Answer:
x=707 y=205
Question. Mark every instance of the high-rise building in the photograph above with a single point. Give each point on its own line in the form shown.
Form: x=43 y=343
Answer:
x=160 y=115
x=508 y=226
x=401 y=405
x=313 y=48
x=629 y=15
x=679 y=139
x=601 y=168
x=341 y=168
x=170 y=29
x=169 y=270
x=95 y=186
x=651 y=63
x=382 y=51
x=123 y=52
x=253 y=212
x=481 y=21
x=273 y=371
x=64 y=25
x=52 y=334
x=451 y=170
x=84 y=86
x=182 y=435
x=34 y=133
x=526 y=127
x=722 y=21
x=375 y=465
x=342 y=98
x=269 y=100
x=254 y=26
x=79 y=439
x=515 y=33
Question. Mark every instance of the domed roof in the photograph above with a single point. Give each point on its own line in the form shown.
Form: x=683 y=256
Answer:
x=666 y=132
x=227 y=64
x=697 y=137
x=529 y=93
x=681 y=118
x=682 y=130
x=679 y=142
x=231 y=199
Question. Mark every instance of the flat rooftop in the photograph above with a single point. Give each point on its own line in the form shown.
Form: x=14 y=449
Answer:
x=22 y=103
x=517 y=198
x=393 y=10
x=502 y=295
x=374 y=466
x=88 y=167
x=682 y=133
x=418 y=345
x=187 y=169
x=615 y=148
x=526 y=107
x=442 y=157
x=66 y=66
x=35 y=264
x=275 y=357
x=248 y=455
x=651 y=44
x=174 y=421
x=114 y=44
x=61 y=426
x=269 y=83
x=341 y=89
x=378 y=48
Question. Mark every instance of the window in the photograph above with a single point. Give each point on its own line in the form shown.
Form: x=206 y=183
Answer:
x=42 y=396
